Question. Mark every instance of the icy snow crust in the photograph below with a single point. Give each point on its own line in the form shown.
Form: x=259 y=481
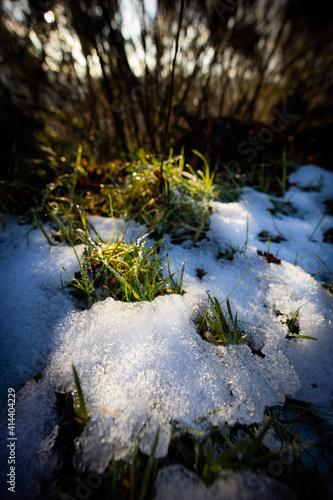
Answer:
x=143 y=367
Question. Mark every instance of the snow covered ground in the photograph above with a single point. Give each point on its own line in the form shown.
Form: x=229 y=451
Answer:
x=143 y=367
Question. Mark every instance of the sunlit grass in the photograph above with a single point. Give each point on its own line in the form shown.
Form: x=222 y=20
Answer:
x=181 y=210
x=128 y=272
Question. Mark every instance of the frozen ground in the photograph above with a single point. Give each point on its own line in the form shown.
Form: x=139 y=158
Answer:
x=143 y=367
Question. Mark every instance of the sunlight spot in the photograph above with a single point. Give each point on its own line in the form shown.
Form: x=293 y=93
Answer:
x=49 y=16
x=35 y=40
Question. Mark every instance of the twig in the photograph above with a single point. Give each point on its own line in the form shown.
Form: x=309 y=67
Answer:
x=167 y=121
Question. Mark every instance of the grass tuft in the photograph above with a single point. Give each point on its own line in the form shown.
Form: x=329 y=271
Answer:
x=128 y=272
x=218 y=327
x=293 y=325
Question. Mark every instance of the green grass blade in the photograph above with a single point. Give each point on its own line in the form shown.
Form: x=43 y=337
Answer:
x=146 y=480
x=198 y=232
x=232 y=291
x=217 y=308
x=202 y=320
x=295 y=336
x=324 y=263
x=201 y=156
x=235 y=322
x=230 y=311
x=247 y=234
x=78 y=157
x=229 y=456
x=219 y=332
x=43 y=231
x=79 y=402
x=246 y=459
x=127 y=286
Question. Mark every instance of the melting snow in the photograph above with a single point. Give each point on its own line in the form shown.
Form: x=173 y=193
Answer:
x=143 y=367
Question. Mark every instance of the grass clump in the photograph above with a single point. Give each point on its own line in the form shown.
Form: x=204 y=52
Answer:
x=282 y=208
x=78 y=182
x=182 y=210
x=293 y=325
x=264 y=177
x=267 y=177
x=129 y=272
x=270 y=448
x=220 y=328
x=239 y=448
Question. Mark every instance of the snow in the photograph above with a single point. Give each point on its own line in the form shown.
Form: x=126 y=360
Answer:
x=143 y=367
x=311 y=176
x=176 y=481
x=31 y=302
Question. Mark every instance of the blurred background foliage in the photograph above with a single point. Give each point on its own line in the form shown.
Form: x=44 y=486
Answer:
x=99 y=72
